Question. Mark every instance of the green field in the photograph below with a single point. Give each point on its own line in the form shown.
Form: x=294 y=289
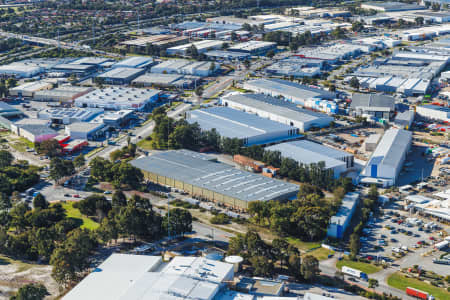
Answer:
x=303 y=245
x=145 y=144
x=364 y=267
x=76 y=214
x=401 y=282
x=320 y=253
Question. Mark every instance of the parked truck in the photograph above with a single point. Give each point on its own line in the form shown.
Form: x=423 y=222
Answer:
x=418 y=294
x=354 y=273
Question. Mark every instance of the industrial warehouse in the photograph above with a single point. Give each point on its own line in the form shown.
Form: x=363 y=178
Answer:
x=278 y=110
x=387 y=159
x=303 y=95
x=201 y=176
x=250 y=128
x=306 y=152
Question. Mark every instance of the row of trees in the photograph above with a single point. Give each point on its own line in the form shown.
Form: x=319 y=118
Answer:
x=306 y=218
x=121 y=174
x=264 y=257
x=368 y=206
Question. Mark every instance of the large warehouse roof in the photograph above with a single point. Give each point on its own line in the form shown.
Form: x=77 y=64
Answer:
x=234 y=123
x=277 y=106
x=307 y=152
x=293 y=89
x=198 y=170
x=138 y=277
x=389 y=150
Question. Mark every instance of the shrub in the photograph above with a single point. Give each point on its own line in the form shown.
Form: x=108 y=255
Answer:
x=220 y=219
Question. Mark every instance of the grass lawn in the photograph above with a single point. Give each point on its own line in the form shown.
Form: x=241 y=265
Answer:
x=401 y=282
x=320 y=253
x=364 y=267
x=303 y=245
x=145 y=144
x=21 y=144
x=76 y=214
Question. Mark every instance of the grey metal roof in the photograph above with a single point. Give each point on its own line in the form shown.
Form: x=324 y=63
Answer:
x=199 y=170
x=373 y=101
x=134 y=62
x=37 y=129
x=277 y=106
x=307 y=152
x=234 y=123
x=121 y=73
x=404 y=118
x=291 y=88
x=391 y=148
x=85 y=127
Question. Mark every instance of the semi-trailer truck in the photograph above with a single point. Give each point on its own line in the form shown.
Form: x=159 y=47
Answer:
x=418 y=294
x=354 y=273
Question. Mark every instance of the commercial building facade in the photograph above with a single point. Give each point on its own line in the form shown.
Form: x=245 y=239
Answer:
x=203 y=177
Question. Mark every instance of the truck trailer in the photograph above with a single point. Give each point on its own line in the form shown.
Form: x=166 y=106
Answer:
x=418 y=294
x=354 y=273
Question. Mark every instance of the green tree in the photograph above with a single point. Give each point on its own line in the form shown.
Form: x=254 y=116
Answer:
x=79 y=161
x=180 y=222
x=101 y=169
x=39 y=201
x=72 y=256
x=124 y=174
x=373 y=193
x=295 y=265
x=119 y=199
x=280 y=250
x=31 y=291
x=18 y=217
x=354 y=245
x=6 y=159
x=261 y=266
x=354 y=83
x=373 y=283
x=60 y=168
x=49 y=147
x=94 y=205
x=5 y=202
x=310 y=268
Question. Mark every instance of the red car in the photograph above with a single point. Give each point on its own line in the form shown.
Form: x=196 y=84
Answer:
x=76 y=196
x=431 y=238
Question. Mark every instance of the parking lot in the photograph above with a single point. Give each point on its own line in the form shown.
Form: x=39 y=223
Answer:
x=400 y=243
